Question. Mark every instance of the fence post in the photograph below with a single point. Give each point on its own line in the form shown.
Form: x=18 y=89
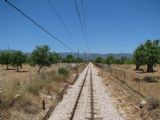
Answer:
x=43 y=104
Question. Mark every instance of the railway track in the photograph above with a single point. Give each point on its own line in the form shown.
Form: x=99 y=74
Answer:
x=86 y=100
x=90 y=96
x=77 y=101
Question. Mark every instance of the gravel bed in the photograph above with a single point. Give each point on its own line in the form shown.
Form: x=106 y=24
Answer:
x=103 y=103
x=104 y=108
x=83 y=108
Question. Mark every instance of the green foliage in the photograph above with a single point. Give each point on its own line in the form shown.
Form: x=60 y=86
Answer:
x=111 y=60
x=129 y=61
x=152 y=54
x=17 y=59
x=69 y=59
x=41 y=56
x=139 y=56
x=5 y=58
x=125 y=60
x=99 y=60
x=29 y=60
x=55 y=58
x=79 y=60
x=148 y=53
x=63 y=71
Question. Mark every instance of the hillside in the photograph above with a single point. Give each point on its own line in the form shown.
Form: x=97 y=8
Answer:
x=92 y=56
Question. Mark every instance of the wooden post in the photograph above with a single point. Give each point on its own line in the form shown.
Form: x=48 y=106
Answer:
x=43 y=104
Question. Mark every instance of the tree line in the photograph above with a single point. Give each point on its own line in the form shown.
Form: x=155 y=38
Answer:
x=41 y=56
x=113 y=60
x=147 y=53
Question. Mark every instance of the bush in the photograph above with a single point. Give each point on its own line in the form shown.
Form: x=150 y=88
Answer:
x=63 y=71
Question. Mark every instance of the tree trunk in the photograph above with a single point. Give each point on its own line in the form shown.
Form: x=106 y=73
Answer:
x=17 y=68
x=40 y=69
x=137 y=67
x=149 y=68
x=7 y=67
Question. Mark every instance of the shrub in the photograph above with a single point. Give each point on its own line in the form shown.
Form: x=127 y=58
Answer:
x=63 y=71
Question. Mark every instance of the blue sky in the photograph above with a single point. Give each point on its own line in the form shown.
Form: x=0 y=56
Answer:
x=113 y=26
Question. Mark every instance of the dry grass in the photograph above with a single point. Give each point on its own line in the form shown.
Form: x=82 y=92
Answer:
x=22 y=92
x=15 y=85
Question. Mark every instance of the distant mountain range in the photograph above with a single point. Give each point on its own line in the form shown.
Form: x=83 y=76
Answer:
x=92 y=56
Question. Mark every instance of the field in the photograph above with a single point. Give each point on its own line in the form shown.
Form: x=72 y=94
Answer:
x=22 y=93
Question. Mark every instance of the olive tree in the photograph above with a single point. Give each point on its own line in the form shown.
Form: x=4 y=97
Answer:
x=148 y=53
x=139 y=56
x=110 y=60
x=5 y=58
x=41 y=56
x=69 y=59
x=55 y=58
x=99 y=60
x=17 y=59
x=152 y=54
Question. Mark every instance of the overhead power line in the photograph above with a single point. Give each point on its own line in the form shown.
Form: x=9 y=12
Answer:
x=81 y=23
x=83 y=10
x=63 y=23
x=38 y=25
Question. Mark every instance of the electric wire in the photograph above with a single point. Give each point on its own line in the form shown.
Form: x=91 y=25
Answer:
x=38 y=25
x=83 y=10
x=81 y=24
x=63 y=23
